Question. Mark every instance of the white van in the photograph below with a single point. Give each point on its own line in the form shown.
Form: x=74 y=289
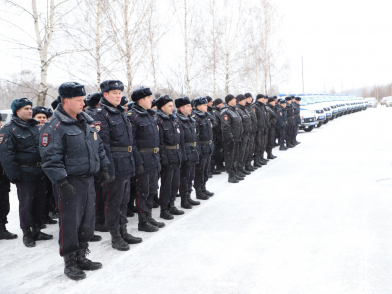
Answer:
x=6 y=116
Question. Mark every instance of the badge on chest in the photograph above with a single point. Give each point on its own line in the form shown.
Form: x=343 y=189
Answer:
x=45 y=139
x=1 y=138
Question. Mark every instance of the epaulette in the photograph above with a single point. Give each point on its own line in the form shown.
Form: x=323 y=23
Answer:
x=7 y=124
x=129 y=113
x=99 y=109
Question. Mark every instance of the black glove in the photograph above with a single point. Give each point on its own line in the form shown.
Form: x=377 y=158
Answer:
x=140 y=169
x=104 y=176
x=67 y=190
x=111 y=179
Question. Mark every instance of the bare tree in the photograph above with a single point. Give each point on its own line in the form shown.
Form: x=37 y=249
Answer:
x=48 y=21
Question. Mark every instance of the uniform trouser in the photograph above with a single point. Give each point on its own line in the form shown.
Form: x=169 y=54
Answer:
x=50 y=205
x=296 y=127
x=271 y=139
x=32 y=202
x=135 y=190
x=186 y=178
x=231 y=155
x=116 y=203
x=201 y=172
x=251 y=150
x=265 y=141
x=259 y=145
x=170 y=182
x=76 y=215
x=282 y=135
x=192 y=175
x=4 y=200
x=244 y=147
x=101 y=191
x=218 y=151
x=146 y=189
x=207 y=171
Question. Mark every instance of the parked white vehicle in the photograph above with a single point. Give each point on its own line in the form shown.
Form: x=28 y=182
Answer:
x=6 y=116
x=372 y=102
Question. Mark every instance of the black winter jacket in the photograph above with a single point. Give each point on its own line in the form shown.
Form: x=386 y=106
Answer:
x=261 y=114
x=253 y=117
x=231 y=124
x=290 y=114
x=273 y=116
x=297 y=113
x=73 y=147
x=245 y=117
x=189 y=139
x=204 y=133
x=19 y=141
x=282 y=117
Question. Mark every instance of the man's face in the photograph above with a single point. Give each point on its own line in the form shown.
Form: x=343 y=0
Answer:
x=210 y=104
x=145 y=102
x=297 y=101
x=41 y=118
x=249 y=100
x=265 y=101
x=289 y=101
x=272 y=103
x=113 y=97
x=168 y=108
x=242 y=102
x=202 y=108
x=232 y=102
x=220 y=105
x=25 y=113
x=74 y=105
x=186 y=109
x=283 y=105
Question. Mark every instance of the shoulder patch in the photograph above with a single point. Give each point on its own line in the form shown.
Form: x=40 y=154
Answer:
x=45 y=139
x=226 y=117
x=1 y=138
x=7 y=124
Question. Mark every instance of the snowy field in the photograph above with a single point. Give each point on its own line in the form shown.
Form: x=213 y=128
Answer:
x=318 y=219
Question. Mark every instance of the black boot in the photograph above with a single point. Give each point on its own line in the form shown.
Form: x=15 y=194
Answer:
x=237 y=176
x=296 y=142
x=174 y=210
x=200 y=194
x=215 y=172
x=256 y=164
x=71 y=270
x=101 y=228
x=289 y=145
x=156 y=202
x=96 y=238
x=165 y=214
x=5 y=235
x=53 y=214
x=48 y=220
x=184 y=202
x=244 y=171
x=117 y=241
x=84 y=263
x=38 y=235
x=153 y=221
x=206 y=192
x=144 y=225
x=238 y=172
x=190 y=201
x=282 y=147
x=128 y=237
x=232 y=178
x=130 y=213
x=271 y=156
x=28 y=239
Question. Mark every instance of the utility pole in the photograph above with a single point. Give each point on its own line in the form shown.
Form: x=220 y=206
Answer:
x=303 y=84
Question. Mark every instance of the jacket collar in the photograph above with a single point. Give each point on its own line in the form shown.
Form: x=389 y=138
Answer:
x=199 y=113
x=139 y=110
x=165 y=116
x=183 y=117
x=109 y=107
x=64 y=117
x=23 y=124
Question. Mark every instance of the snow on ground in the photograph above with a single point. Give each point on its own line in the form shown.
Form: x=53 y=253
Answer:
x=315 y=220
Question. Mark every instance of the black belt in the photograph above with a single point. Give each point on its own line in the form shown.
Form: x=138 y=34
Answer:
x=30 y=164
x=149 y=150
x=191 y=144
x=296 y=115
x=173 y=147
x=206 y=142
x=121 y=149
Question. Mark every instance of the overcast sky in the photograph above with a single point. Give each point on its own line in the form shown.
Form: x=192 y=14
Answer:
x=344 y=43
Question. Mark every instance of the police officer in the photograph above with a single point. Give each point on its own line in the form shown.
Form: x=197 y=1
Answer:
x=21 y=161
x=206 y=147
x=72 y=152
x=282 y=123
x=124 y=103
x=146 y=135
x=232 y=131
x=262 y=124
x=190 y=154
x=218 y=139
x=215 y=125
x=297 y=117
x=291 y=123
x=273 y=119
x=246 y=129
x=120 y=147
x=171 y=157
x=252 y=134
x=92 y=100
x=41 y=114
x=5 y=189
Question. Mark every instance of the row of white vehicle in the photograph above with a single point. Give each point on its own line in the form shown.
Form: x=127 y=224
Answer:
x=319 y=109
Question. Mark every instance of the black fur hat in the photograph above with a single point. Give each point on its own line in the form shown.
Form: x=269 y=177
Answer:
x=271 y=99
x=199 y=101
x=240 y=97
x=55 y=103
x=259 y=96
x=108 y=85
x=218 y=101
x=163 y=100
x=154 y=103
x=19 y=103
x=182 y=101
x=247 y=95
x=288 y=98
x=71 y=89
x=209 y=99
x=124 y=101
x=298 y=98
x=140 y=93
x=41 y=109
x=93 y=99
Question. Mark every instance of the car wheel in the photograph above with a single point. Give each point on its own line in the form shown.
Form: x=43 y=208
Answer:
x=309 y=129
